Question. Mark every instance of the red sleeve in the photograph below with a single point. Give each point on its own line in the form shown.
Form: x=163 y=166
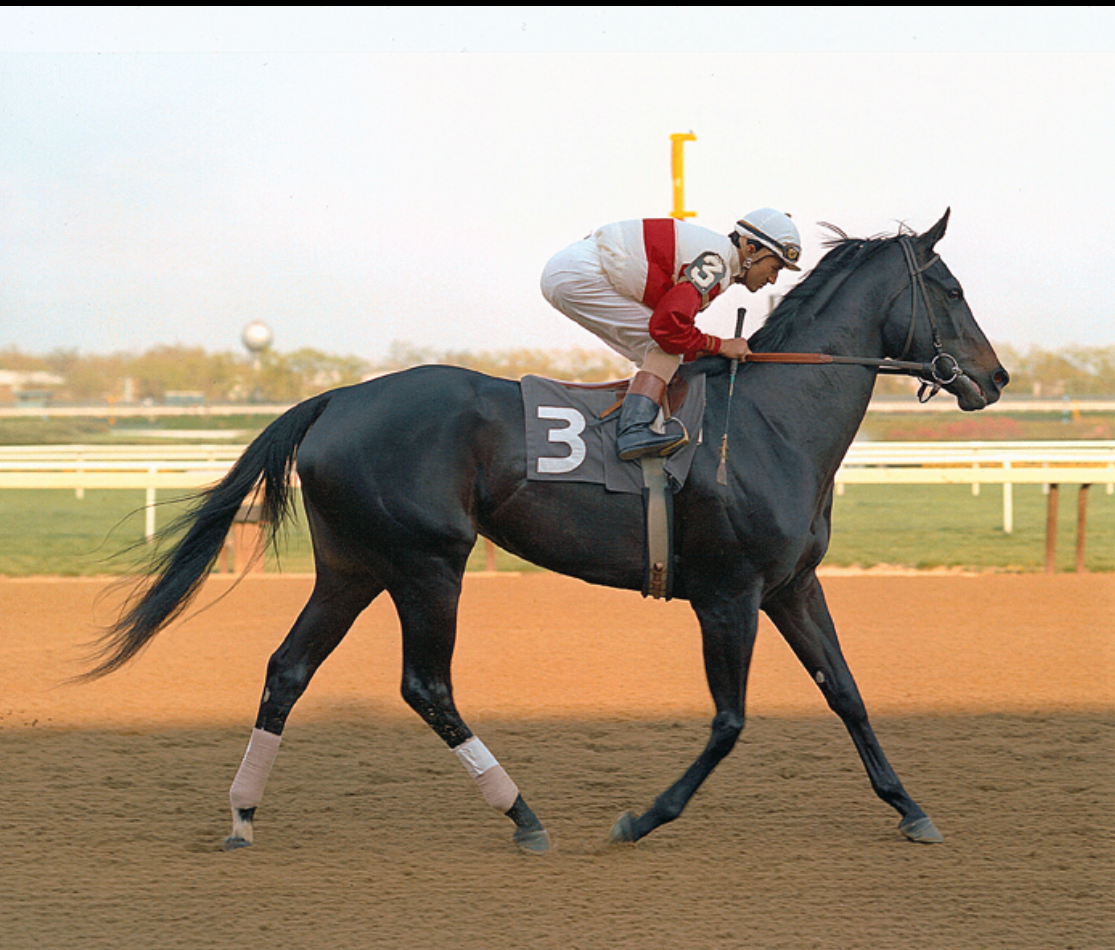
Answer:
x=672 y=325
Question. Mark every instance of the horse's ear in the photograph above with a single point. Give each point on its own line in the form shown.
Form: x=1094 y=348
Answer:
x=928 y=240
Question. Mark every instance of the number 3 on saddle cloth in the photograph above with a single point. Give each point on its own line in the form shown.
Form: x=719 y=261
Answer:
x=571 y=437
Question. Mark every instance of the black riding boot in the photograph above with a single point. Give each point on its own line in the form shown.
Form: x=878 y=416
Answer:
x=635 y=437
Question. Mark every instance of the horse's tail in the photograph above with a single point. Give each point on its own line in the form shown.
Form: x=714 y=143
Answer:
x=175 y=576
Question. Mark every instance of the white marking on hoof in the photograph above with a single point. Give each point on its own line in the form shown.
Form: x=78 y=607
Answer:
x=242 y=830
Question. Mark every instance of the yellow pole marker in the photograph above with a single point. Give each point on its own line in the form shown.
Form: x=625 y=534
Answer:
x=677 y=168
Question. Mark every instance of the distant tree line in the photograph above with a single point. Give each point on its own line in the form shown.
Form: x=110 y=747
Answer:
x=1071 y=371
x=193 y=372
x=181 y=373
x=205 y=376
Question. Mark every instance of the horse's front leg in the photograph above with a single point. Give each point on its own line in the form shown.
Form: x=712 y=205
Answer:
x=803 y=618
x=728 y=630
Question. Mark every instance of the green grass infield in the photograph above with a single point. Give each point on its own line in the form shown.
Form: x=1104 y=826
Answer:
x=915 y=526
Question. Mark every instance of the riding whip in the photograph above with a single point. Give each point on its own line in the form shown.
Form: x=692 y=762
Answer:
x=722 y=468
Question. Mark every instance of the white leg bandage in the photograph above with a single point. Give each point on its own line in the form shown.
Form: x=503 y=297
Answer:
x=247 y=787
x=499 y=791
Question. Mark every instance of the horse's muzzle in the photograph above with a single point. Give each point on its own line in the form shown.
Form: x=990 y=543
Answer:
x=979 y=390
x=970 y=395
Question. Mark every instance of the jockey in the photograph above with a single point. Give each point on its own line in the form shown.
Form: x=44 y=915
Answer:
x=639 y=285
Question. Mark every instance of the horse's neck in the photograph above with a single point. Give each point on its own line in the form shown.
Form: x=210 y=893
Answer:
x=824 y=406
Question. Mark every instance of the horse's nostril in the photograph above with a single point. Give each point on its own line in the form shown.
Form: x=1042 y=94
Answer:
x=1000 y=377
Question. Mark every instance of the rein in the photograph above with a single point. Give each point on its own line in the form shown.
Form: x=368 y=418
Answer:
x=940 y=371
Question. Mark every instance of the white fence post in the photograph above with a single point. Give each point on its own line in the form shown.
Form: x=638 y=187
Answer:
x=1008 y=502
x=149 y=513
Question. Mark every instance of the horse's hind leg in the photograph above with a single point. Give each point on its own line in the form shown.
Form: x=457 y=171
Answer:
x=803 y=618
x=333 y=606
x=427 y=606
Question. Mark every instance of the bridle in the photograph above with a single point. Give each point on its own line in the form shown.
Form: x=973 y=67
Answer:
x=938 y=372
x=936 y=377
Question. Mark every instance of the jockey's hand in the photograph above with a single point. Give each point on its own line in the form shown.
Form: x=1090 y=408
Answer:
x=734 y=349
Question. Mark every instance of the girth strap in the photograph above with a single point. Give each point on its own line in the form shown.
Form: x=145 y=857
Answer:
x=658 y=501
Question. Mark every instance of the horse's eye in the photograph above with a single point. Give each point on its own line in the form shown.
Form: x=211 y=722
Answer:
x=956 y=294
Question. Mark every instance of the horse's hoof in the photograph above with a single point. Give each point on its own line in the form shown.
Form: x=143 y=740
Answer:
x=922 y=830
x=533 y=842
x=623 y=831
x=235 y=842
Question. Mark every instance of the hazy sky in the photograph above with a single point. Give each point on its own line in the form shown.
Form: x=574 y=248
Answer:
x=355 y=178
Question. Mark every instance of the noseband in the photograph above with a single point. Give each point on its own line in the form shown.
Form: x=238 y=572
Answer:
x=939 y=371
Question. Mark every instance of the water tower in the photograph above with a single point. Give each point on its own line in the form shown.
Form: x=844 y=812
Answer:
x=256 y=336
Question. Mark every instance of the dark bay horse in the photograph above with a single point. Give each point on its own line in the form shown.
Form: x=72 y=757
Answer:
x=401 y=474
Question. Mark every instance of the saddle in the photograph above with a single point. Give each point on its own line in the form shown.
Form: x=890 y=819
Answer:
x=569 y=437
x=676 y=391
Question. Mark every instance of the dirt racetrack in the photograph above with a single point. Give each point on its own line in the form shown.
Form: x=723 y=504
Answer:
x=994 y=696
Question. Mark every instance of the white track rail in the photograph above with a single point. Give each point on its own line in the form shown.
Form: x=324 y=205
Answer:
x=153 y=468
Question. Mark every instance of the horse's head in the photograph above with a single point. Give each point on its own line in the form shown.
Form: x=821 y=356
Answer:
x=930 y=322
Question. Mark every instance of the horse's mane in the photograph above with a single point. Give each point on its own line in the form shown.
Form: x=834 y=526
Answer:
x=807 y=299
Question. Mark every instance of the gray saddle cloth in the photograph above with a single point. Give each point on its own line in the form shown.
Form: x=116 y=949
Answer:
x=567 y=441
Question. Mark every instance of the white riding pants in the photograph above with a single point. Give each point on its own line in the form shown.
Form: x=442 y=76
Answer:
x=574 y=282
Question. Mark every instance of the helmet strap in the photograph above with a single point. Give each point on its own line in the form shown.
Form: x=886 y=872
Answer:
x=745 y=259
x=752 y=259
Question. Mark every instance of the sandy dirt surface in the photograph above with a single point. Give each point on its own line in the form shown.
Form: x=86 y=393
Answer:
x=993 y=695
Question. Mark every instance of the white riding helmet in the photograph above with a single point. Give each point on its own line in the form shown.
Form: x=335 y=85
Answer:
x=773 y=230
